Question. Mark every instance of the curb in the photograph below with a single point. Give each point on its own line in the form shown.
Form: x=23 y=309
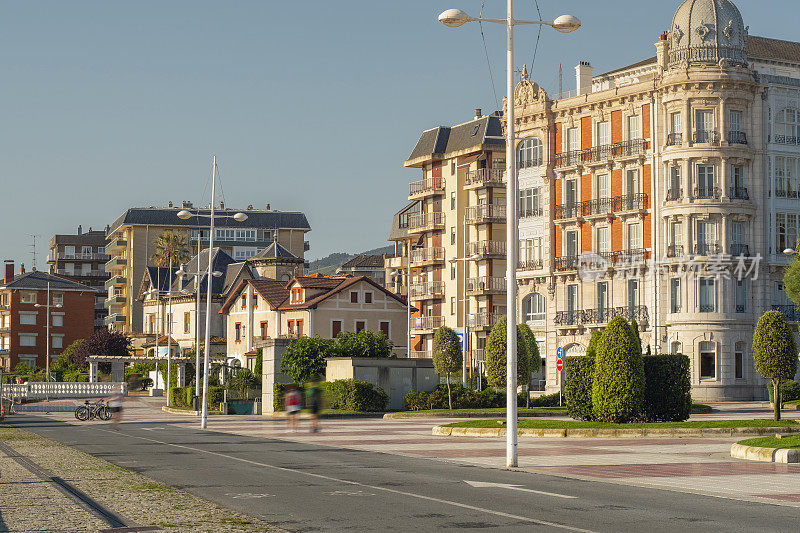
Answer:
x=787 y=407
x=173 y=411
x=423 y=414
x=768 y=455
x=445 y=431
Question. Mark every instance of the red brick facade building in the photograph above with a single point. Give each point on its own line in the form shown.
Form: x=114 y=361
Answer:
x=24 y=320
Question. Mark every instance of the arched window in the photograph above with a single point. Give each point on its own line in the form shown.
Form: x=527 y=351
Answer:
x=529 y=153
x=533 y=308
x=787 y=126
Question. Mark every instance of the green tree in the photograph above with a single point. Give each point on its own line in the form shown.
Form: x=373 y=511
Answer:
x=363 y=344
x=533 y=359
x=775 y=352
x=619 y=380
x=304 y=358
x=496 y=355
x=259 y=368
x=791 y=279
x=594 y=341
x=244 y=380
x=447 y=356
x=636 y=337
x=102 y=342
x=65 y=360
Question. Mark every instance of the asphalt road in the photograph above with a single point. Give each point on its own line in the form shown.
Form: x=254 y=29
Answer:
x=302 y=487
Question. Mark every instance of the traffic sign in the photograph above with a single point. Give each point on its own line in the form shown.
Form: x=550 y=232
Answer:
x=560 y=365
x=560 y=353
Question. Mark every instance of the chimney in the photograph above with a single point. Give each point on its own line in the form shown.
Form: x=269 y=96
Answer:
x=9 y=271
x=222 y=206
x=268 y=209
x=170 y=204
x=662 y=52
x=108 y=228
x=478 y=113
x=250 y=207
x=583 y=76
x=90 y=229
x=21 y=268
x=80 y=229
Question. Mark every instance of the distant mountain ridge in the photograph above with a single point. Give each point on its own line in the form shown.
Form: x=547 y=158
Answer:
x=329 y=263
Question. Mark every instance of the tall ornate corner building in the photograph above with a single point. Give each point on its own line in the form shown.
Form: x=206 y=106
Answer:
x=664 y=191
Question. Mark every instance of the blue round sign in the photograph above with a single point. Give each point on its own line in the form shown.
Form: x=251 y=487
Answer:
x=560 y=353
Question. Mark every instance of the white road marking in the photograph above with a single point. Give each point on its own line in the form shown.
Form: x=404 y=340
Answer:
x=372 y=487
x=248 y=495
x=520 y=488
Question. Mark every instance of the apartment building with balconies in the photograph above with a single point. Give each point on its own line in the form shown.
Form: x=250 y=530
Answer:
x=81 y=257
x=664 y=191
x=452 y=234
x=132 y=236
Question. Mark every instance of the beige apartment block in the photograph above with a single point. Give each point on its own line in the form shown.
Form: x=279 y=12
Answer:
x=132 y=236
x=650 y=190
x=453 y=233
x=261 y=309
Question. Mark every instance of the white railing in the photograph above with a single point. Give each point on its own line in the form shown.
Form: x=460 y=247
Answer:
x=41 y=390
x=425 y=354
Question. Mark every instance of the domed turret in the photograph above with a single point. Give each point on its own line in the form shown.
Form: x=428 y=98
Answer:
x=708 y=32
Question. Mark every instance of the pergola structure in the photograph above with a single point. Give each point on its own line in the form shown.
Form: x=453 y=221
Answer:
x=118 y=365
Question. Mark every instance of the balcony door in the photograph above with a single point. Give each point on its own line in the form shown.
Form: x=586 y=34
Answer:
x=571 y=193
x=572 y=302
x=704 y=124
x=571 y=244
x=705 y=181
x=602 y=301
x=674 y=182
x=603 y=239
x=603 y=133
x=633 y=297
x=706 y=236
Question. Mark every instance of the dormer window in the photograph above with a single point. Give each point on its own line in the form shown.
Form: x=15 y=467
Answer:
x=244 y=302
x=297 y=295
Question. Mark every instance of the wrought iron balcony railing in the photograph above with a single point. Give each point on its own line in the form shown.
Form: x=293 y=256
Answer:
x=707 y=193
x=426 y=255
x=484 y=248
x=674 y=139
x=601 y=153
x=425 y=220
x=529 y=212
x=485 y=213
x=530 y=264
x=673 y=195
x=483 y=320
x=567 y=262
x=737 y=137
x=427 y=323
x=785 y=139
x=484 y=177
x=706 y=249
x=706 y=137
x=739 y=249
x=582 y=317
x=486 y=284
x=674 y=250
x=428 y=289
x=739 y=193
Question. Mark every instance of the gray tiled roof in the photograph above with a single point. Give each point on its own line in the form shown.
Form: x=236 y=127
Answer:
x=486 y=130
x=397 y=233
x=36 y=280
x=757 y=48
x=219 y=263
x=232 y=274
x=275 y=251
x=168 y=216
x=361 y=262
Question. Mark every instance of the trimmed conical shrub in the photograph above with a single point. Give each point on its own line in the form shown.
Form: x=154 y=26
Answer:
x=619 y=380
x=496 y=355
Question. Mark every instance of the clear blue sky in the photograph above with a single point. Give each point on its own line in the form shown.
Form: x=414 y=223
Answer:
x=309 y=105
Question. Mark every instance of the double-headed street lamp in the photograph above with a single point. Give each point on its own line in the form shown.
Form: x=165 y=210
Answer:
x=455 y=18
x=49 y=305
x=185 y=215
x=465 y=344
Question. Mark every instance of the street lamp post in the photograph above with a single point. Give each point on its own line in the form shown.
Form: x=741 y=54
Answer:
x=464 y=315
x=455 y=18
x=47 y=308
x=185 y=215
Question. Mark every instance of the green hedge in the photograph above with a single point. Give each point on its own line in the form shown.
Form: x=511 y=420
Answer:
x=618 y=382
x=667 y=392
x=471 y=399
x=546 y=400
x=344 y=394
x=790 y=391
x=216 y=395
x=579 y=372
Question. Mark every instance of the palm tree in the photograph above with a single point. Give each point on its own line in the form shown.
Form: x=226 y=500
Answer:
x=171 y=249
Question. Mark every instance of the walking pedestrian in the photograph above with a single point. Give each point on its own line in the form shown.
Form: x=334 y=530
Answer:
x=314 y=401
x=293 y=401
x=115 y=406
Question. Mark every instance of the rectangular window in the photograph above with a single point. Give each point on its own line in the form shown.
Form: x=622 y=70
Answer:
x=452 y=305
x=27 y=319
x=634 y=236
x=633 y=183
x=603 y=239
x=57 y=342
x=290 y=328
x=780 y=233
x=264 y=328
x=602 y=301
x=573 y=139
x=572 y=298
x=27 y=340
x=708 y=360
x=336 y=328
x=570 y=195
x=243 y=302
x=633 y=297
x=603 y=133
x=452 y=271
x=384 y=327
x=707 y=289
x=353 y=297
x=571 y=244
x=452 y=200
x=452 y=235
x=238 y=332
x=738 y=362
x=675 y=295
x=299 y=328
x=602 y=187
x=674 y=183
x=27 y=297
x=187 y=322
x=367 y=297
x=634 y=127
x=675 y=123
x=58 y=298
x=741 y=295
x=360 y=325
x=57 y=321
x=735 y=121
x=704 y=123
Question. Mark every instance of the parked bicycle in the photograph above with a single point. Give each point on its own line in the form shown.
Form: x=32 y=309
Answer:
x=91 y=410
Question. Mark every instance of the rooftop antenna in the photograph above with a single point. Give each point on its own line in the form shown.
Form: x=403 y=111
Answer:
x=33 y=252
x=560 y=82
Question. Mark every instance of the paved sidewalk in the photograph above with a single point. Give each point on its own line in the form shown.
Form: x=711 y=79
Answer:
x=696 y=465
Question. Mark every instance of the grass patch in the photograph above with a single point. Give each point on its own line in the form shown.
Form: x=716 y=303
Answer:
x=792 y=441
x=700 y=407
x=152 y=487
x=792 y=402
x=576 y=424
x=520 y=410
